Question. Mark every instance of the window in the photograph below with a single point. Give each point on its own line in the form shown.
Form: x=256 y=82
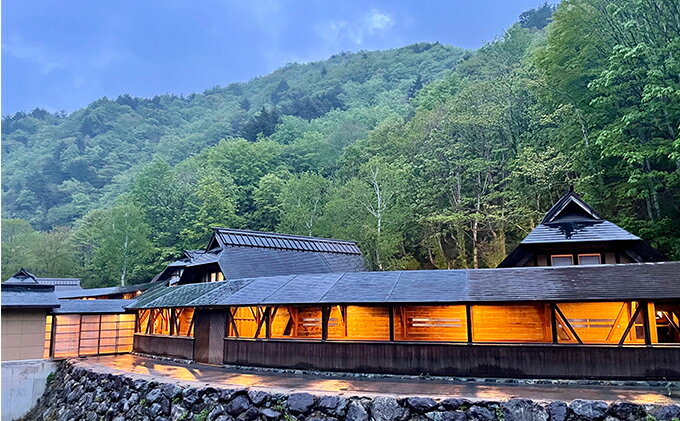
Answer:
x=588 y=259
x=562 y=260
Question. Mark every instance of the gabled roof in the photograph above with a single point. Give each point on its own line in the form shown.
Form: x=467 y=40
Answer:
x=570 y=205
x=654 y=281
x=22 y=277
x=23 y=291
x=242 y=253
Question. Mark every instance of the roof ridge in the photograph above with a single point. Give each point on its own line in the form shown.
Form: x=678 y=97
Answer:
x=281 y=235
x=281 y=286
x=396 y=281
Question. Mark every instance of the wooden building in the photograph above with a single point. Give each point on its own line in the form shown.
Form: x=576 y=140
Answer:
x=563 y=304
x=573 y=233
x=26 y=304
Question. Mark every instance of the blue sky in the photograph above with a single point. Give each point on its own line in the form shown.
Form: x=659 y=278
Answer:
x=62 y=55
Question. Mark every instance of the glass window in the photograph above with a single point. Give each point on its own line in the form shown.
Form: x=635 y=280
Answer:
x=588 y=259
x=562 y=260
x=431 y=323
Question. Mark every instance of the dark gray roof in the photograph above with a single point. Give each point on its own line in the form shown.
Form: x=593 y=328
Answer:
x=92 y=306
x=570 y=283
x=22 y=277
x=578 y=231
x=28 y=296
x=232 y=237
x=98 y=292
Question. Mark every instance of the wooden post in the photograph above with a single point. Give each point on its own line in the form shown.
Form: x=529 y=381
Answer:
x=173 y=316
x=391 y=310
x=646 y=322
x=268 y=325
x=553 y=322
x=53 y=335
x=630 y=324
x=654 y=333
x=325 y=313
x=468 y=320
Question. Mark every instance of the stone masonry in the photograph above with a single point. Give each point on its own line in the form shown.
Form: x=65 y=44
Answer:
x=75 y=393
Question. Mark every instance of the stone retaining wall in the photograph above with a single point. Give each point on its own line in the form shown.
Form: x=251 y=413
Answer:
x=79 y=394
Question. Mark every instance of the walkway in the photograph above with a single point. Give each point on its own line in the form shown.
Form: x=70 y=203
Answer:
x=202 y=374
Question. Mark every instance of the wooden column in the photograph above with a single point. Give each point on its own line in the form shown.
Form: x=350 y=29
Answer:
x=553 y=322
x=391 y=310
x=325 y=313
x=468 y=320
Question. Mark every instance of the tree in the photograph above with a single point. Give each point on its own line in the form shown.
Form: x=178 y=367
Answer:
x=17 y=239
x=267 y=201
x=302 y=203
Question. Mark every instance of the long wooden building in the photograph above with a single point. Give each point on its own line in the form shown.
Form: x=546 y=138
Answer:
x=579 y=298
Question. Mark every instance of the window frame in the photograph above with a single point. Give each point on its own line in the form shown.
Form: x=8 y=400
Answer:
x=553 y=256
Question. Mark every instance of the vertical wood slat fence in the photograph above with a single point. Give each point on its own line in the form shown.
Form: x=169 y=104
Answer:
x=77 y=335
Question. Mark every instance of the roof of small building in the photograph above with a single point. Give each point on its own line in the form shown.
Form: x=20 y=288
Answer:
x=658 y=281
x=28 y=296
x=92 y=306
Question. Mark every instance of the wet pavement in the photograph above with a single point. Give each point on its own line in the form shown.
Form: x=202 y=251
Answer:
x=279 y=382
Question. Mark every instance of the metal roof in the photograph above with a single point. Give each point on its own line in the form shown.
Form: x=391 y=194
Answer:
x=92 y=306
x=566 y=283
x=232 y=237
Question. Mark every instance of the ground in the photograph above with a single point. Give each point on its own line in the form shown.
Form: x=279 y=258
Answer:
x=195 y=374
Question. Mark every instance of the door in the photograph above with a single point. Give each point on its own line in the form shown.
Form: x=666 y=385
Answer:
x=209 y=328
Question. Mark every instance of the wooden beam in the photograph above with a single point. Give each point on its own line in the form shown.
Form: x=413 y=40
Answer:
x=553 y=323
x=468 y=322
x=630 y=324
x=269 y=315
x=651 y=316
x=671 y=322
x=391 y=310
x=325 y=313
x=173 y=316
x=232 y=311
x=646 y=323
x=261 y=321
x=566 y=323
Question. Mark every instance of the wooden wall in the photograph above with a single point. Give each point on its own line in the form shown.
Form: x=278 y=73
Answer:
x=511 y=323
x=166 y=346
x=209 y=328
x=542 y=361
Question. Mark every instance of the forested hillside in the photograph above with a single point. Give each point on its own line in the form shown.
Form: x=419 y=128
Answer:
x=427 y=155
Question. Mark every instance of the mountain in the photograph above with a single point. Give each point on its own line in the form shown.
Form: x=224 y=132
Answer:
x=57 y=167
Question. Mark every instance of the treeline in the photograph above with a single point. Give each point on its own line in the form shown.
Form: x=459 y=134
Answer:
x=451 y=173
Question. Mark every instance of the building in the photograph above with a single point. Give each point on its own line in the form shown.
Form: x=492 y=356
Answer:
x=26 y=303
x=612 y=310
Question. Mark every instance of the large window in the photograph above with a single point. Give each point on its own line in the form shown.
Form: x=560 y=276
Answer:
x=166 y=321
x=511 y=323
x=598 y=323
x=431 y=323
x=91 y=334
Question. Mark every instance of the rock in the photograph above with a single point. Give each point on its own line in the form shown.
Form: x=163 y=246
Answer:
x=238 y=405
x=421 y=404
x=452 y=404
x=356 y=412
x=333 y=405
x=270 y=414
x=119 y=418
x=123 y=406
x=154 y=396
x=479 y=413
x=627 y=411
x=216 y=412
x=102 y=408
x=75 y=394
x=523 y=410
x=189 y=397
x=300 y=403
x=666 y=413
x=453 y=416
x=251 y=414
x=387 y=409
x=258 y=397
x=557 y=411
x=224 y=418
x=172 y=391
x=155 y=410
x=178 y=413
x=592 y=410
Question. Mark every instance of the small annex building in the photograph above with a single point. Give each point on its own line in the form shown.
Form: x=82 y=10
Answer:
x=26 y=304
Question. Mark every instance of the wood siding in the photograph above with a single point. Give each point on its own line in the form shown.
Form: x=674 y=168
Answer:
x=542 y=361
x=167 y=346
x=209 y=330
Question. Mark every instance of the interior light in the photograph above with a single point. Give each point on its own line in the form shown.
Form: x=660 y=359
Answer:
x=659 y=315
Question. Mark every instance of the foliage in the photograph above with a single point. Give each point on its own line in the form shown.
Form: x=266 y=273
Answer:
x=428 y=156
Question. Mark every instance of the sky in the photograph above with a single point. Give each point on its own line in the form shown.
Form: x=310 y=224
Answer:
x=62 y=55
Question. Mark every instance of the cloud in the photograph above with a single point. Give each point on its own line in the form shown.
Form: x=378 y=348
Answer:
x=371 y=24
x=17 y=48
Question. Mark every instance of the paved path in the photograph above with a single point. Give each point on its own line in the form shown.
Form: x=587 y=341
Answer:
x=203 y=374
